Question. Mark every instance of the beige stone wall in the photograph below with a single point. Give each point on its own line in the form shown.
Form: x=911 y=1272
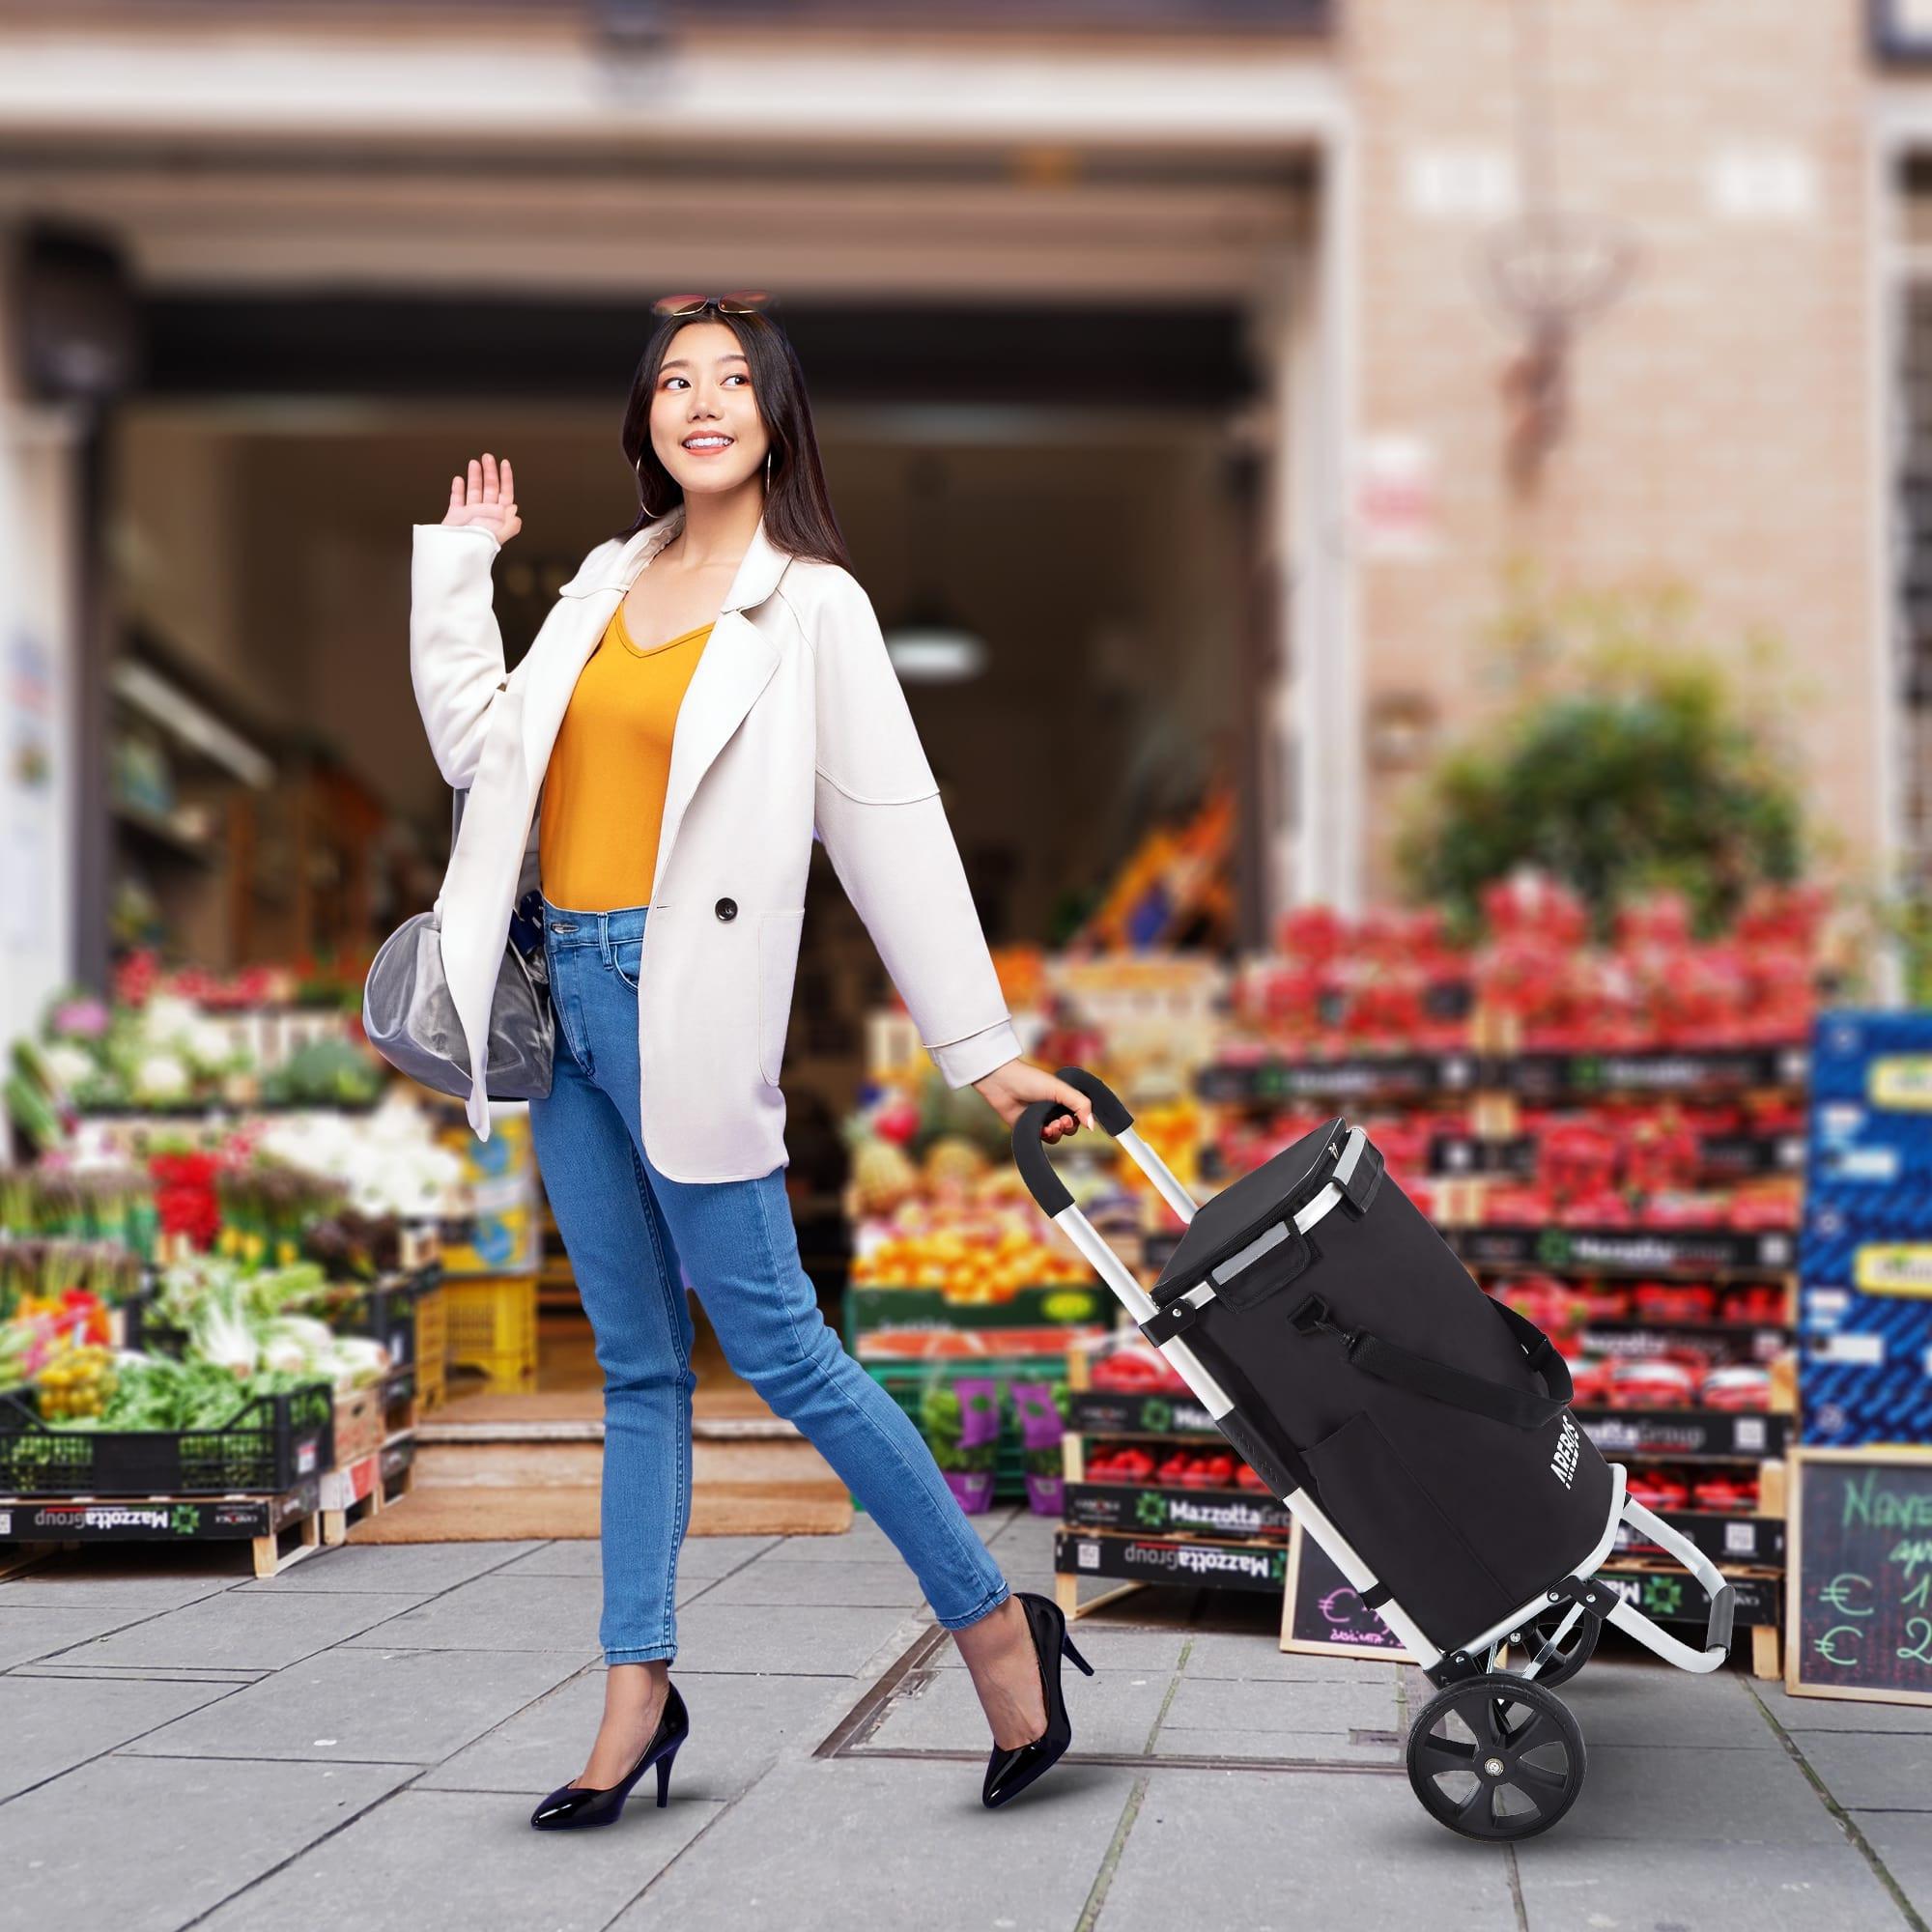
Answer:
x=1720 y=412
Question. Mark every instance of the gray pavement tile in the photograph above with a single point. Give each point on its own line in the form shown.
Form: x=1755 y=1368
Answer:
x=400 y=1706
x=940 y=1711
x=1238 y=1654
x=815 y=1639
x=404 y=1569
x=827 y=1844
x=1022 y=1573
x=1024 y=1528
x=1343 y=1703
x=51 y=1724
x=146 y=1846
x=719 y=1555
x=494 y=1612
x=1621 y=1701
x=1281 y=1852
x=856 y=1586
x=1840 y=1714
x=236 y=1629
x=1238 y=1713
x=740 y=1726
x=1298 y=1747
x=864 y=1542
x=35 y=1632
x=469 y=1858
x=569 y=1556
x=107 y=1578
x=701 y=1556
x=1694 y=1795
x=222 y=1677
x=1107 y=1647
x=1576 y=1884
x=1881 y=1771
x=1903 y=1841
x=1024 y=1550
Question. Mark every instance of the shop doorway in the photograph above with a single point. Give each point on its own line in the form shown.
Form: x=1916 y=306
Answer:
x=1077 y=485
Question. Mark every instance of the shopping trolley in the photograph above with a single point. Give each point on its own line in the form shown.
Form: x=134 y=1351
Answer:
x=1417 y=1430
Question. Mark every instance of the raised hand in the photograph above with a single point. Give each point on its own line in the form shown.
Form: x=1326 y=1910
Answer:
x=488 y=495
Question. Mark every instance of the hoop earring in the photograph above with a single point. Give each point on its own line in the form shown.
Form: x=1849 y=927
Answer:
x=767 y=466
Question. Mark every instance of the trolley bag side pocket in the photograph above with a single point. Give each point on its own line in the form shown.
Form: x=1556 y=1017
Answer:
x=1416 y=1551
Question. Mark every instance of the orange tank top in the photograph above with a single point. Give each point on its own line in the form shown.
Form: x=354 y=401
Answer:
x=604 y=789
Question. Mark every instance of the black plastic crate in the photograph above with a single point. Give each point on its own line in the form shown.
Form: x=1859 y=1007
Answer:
x=268 y=1446
x=385 y=1312
x=145 y=1329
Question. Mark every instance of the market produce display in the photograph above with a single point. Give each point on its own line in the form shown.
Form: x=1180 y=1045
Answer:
x=218 y=1256
x=1394 y=982
x=39 y=1279
x=1610 y=1136
x=182 y=1041
x=966 y=1258
x=92 y=1388
x=242 y=1319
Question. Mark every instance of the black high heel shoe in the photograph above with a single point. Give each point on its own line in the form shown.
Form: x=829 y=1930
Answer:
x=573 y=1806
x=1010 y=1771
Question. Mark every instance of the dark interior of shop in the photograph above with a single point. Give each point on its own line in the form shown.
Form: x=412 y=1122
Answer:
x=258 y=492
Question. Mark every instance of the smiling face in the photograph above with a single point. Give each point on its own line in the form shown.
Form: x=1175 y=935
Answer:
x=706 y=426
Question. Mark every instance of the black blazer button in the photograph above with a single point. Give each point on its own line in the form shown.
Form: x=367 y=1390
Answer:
x=728 y=908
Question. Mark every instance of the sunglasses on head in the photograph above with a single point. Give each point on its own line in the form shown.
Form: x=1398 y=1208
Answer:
x=740 y=301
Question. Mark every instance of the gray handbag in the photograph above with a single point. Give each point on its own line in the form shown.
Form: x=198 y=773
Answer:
x=411 y=1022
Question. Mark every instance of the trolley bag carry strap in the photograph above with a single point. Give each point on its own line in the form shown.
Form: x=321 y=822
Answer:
x=1422 y=1376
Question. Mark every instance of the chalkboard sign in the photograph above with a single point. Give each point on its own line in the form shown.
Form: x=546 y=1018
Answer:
x=1859 y=1589
x=1323 y=1613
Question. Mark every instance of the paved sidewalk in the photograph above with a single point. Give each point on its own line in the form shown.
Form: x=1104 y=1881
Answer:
x=359 y=1742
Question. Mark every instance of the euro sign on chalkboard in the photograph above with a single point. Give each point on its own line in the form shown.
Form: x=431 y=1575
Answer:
x=1859 y=1586
x=1323 y=1613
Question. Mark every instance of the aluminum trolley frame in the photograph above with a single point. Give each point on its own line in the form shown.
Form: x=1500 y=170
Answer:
x=1579 y=1593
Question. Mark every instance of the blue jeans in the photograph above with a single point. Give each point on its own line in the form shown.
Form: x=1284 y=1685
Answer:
x=632 y=1237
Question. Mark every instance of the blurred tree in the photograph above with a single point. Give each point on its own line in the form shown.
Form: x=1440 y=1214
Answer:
x=1627 y=756
x=1904 y=916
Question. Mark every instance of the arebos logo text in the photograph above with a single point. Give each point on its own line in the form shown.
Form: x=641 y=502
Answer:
x=1563 y=1465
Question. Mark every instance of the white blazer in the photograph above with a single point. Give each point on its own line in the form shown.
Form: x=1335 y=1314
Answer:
x=793 y=726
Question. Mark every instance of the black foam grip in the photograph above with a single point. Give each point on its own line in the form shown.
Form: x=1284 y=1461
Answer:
x=1108 y=1112
x=1030 y=1154
x=1723 y=1606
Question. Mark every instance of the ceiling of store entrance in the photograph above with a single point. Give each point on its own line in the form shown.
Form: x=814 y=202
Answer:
x=1085 y=354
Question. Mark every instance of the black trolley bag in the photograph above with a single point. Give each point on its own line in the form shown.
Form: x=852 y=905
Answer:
x=1417 y=1430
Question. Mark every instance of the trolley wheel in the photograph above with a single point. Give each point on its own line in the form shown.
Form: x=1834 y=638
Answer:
x=1497 y=1756
x=1579 y=1647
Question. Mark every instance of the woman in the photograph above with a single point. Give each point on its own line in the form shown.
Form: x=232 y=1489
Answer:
x=710 y=693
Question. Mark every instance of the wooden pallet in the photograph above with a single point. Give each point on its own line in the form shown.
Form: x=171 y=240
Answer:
x=278 y=1529
x=367 y=1487
x=273 y=1553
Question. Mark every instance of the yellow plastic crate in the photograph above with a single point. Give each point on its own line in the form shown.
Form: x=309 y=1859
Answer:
x=433 y=1348
x=492 y=1323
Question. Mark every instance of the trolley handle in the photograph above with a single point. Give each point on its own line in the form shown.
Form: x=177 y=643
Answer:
x=1108 y=1108
x=1030 y=1153
x=1030 y=1156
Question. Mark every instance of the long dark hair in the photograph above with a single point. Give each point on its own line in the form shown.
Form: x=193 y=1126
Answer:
x=798 y=509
